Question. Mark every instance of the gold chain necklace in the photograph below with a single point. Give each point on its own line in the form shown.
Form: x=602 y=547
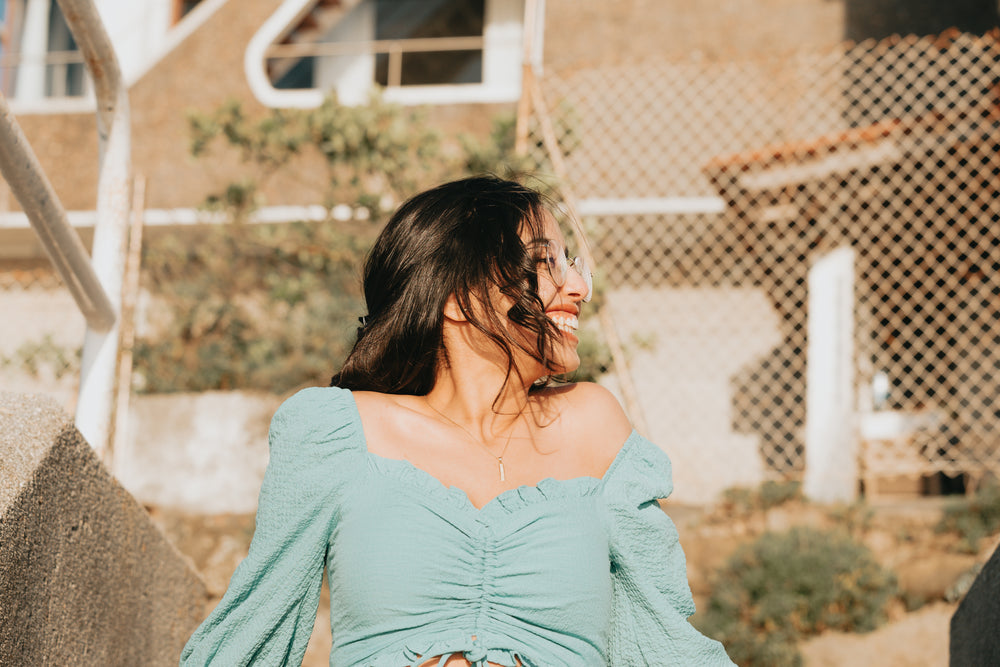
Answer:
x=503 y=474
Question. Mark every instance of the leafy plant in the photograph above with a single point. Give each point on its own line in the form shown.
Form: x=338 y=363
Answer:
x=273 y=307
x=497 y=155
x=787 y=586
x=267 y=307
x=743 y=501
x=34 y=356
x=370 y=153
x=595 y=357
x=855 y=517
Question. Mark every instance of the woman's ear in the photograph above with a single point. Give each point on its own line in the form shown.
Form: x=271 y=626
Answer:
x=452 y=311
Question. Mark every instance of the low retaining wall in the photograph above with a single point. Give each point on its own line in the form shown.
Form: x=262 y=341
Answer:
x=197 y=453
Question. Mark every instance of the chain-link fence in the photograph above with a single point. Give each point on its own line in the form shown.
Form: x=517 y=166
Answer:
x=709 y=191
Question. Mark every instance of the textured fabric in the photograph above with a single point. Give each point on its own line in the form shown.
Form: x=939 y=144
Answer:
x=579 y=572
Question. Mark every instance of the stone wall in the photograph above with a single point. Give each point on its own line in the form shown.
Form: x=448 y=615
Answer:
x=85 y=577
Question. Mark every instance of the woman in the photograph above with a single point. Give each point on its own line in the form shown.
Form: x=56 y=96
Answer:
x=468 y=512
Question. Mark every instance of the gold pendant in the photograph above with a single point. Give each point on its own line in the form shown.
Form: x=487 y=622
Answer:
x=503 y=477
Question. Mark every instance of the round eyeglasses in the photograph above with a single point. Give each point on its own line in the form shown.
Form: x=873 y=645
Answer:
x=558 y=263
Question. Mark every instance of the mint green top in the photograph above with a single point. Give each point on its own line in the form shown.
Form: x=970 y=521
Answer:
x=580 y=572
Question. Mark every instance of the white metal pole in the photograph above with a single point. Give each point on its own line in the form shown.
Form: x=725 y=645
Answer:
x=95 y=404
x=831 y=473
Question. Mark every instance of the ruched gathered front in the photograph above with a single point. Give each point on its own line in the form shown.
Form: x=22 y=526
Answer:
x=583 y=571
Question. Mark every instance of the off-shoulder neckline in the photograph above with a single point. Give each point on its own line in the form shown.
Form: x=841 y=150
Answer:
x=508 y=499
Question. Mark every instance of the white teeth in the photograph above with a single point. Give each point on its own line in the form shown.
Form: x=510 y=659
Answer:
x=565 y=321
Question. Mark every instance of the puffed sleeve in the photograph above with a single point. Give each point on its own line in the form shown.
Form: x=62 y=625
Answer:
x=268 y=611
x=652 y=599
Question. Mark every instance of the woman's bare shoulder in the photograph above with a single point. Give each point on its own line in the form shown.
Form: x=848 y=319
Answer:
x=593 y=414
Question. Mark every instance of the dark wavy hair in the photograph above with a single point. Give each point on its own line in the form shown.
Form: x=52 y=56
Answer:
x=462 y=238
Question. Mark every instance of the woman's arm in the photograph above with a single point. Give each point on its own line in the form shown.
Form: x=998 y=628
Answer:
x=268 y=611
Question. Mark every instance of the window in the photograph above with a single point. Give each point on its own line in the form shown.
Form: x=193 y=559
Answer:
x=385 y=24
x=38 y=56
x=64 y=69
x=432 y=21
x=419 y=50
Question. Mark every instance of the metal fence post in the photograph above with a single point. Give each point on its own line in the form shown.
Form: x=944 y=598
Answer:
x=95 y=406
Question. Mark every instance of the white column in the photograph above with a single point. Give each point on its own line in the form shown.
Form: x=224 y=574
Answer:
x=831 y=473
x=34 y=49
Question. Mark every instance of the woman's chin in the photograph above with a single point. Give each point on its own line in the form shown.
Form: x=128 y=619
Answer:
x=566 y=363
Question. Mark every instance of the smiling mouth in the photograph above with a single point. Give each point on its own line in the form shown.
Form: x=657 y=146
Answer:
x=565 y=322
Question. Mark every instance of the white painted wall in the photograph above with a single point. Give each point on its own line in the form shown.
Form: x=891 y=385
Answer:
x=685 y=345
x=201 y=453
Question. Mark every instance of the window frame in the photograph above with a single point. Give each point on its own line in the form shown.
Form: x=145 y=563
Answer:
x=501 y=43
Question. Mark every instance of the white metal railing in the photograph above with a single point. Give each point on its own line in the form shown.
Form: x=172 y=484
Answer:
x=96 y=284
x=27 y=180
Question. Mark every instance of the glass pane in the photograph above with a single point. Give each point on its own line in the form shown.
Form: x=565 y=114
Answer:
x=62 y=79
x=410 y=19
x=291 y=73
x=418 y=19
x=433 y=67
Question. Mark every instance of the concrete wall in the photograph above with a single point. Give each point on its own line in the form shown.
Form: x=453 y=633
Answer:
x=85 y=577
x=683 y=370
x=589 y=33
x=198 y=453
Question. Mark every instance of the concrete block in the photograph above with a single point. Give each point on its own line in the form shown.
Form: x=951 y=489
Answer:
x=85 y=576
x=199 y=453
x=975 y=626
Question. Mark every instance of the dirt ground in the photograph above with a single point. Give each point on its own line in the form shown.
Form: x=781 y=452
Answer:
x=932 y=571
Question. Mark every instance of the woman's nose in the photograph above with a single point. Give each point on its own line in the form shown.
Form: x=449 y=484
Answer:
x=576 y=285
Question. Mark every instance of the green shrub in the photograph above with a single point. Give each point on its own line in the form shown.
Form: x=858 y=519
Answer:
x=496 y=155
x=787 y=586
x=973 y=518
x=268 y=307
x=855 y=517
x=275 y=307
x=742 y=501
x=772 y=493
x=595 y=357
x=34 y=356
x=369 y=151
